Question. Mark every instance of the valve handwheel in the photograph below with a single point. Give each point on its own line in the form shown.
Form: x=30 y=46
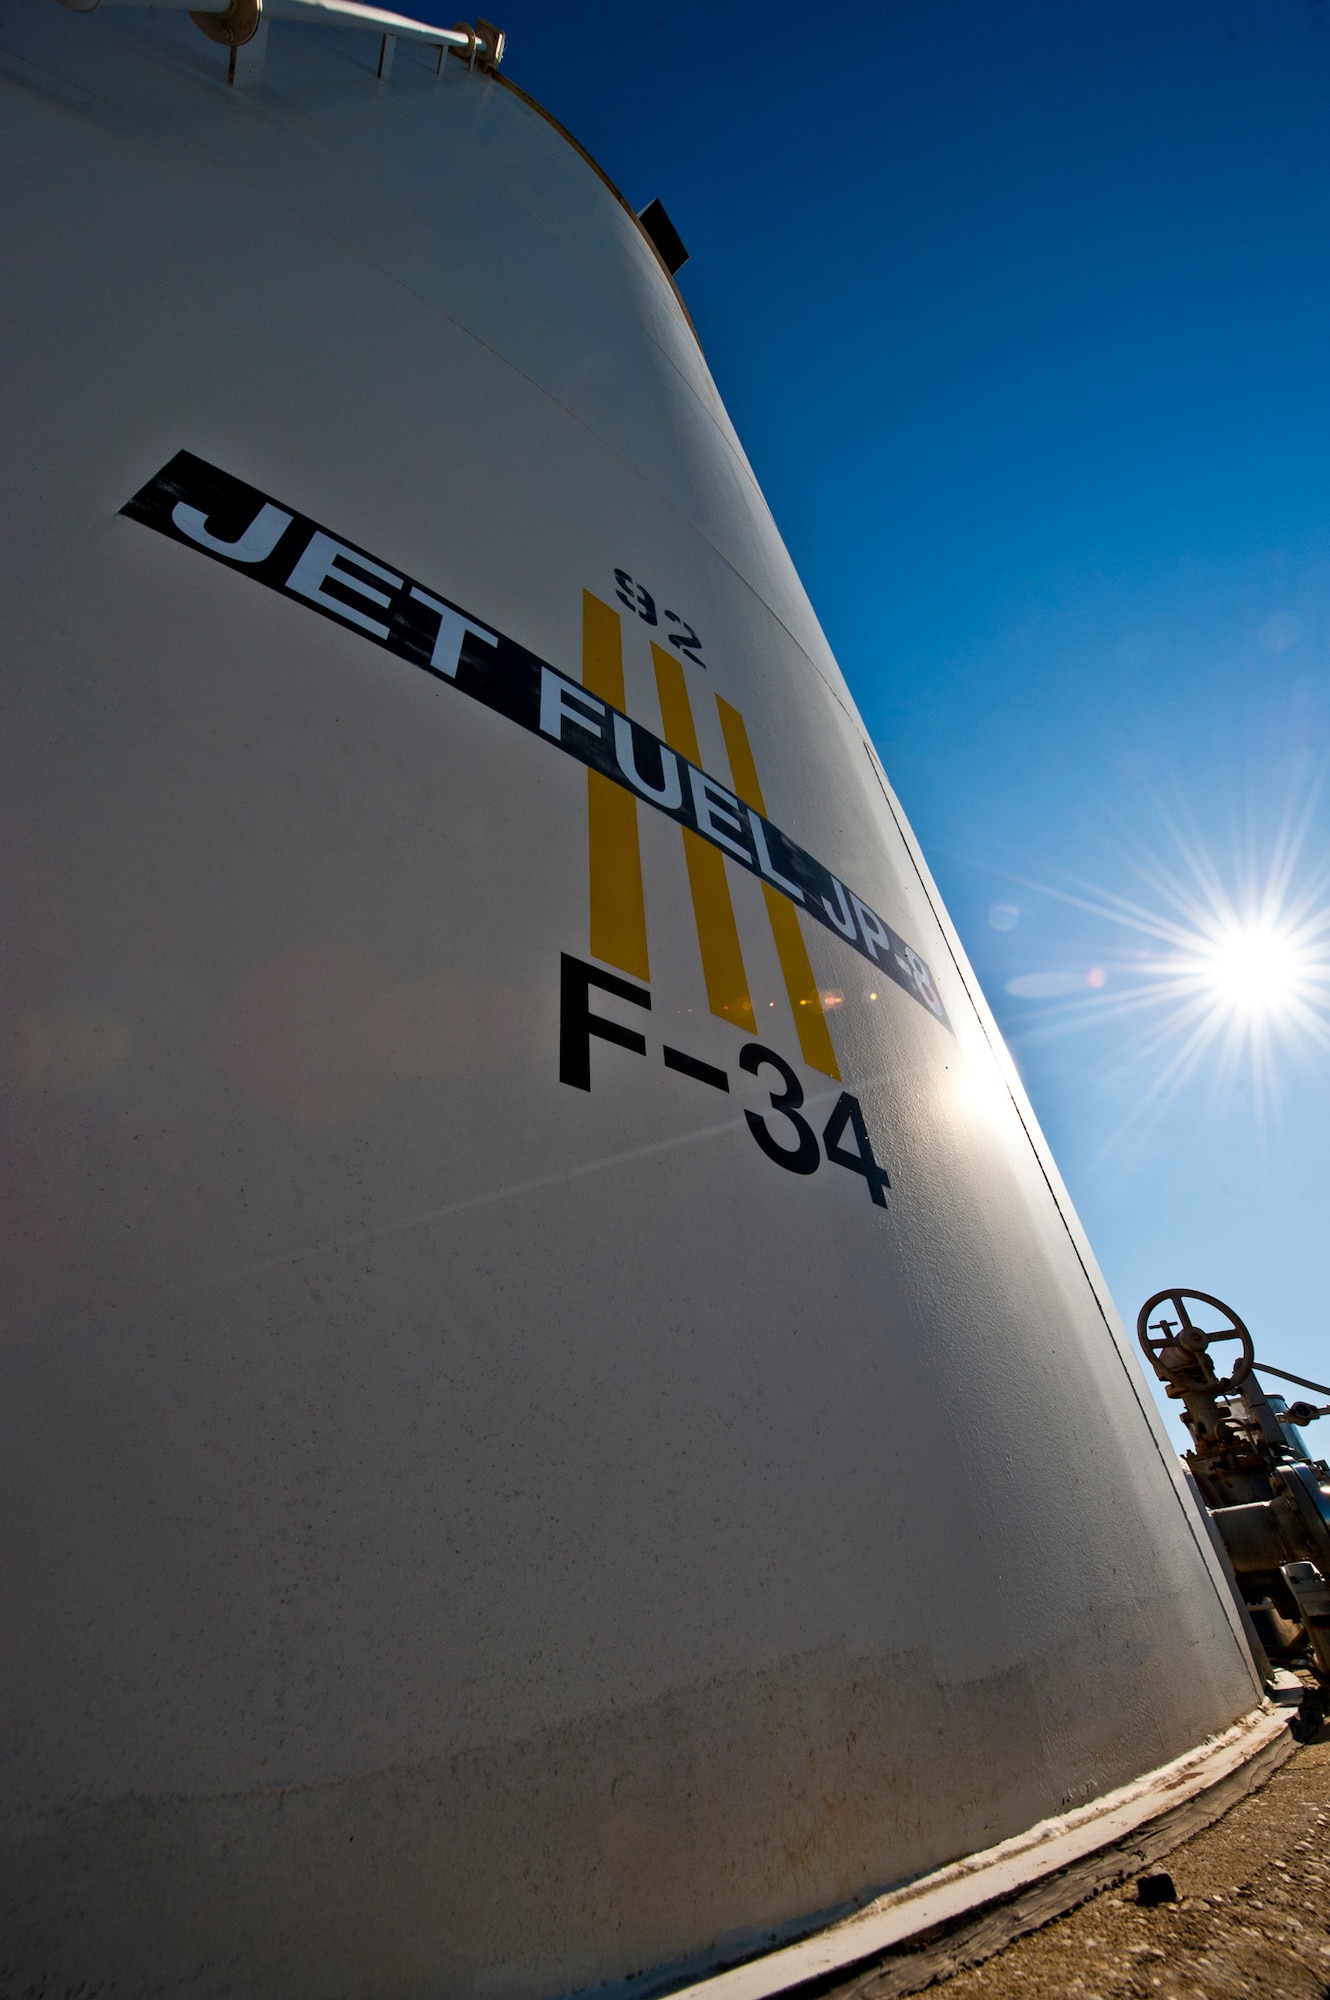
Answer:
x=1190 y=1343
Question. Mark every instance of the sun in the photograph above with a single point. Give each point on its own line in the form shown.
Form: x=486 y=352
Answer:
x=1254 y=969
x=1223 y=965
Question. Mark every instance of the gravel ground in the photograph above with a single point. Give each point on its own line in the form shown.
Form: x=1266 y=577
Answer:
x=1252 y=1916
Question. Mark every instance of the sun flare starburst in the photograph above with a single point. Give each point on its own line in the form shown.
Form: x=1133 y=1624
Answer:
x=1226 y=967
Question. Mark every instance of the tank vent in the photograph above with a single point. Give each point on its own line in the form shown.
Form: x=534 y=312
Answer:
x=664 y=235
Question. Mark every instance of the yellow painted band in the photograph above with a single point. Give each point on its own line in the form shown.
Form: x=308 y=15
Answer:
x=713 y=909
x=805 y=1001
x=618 y=903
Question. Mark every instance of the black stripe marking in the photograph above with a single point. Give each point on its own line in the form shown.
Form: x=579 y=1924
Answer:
x=209 y=511
x=702 y=1072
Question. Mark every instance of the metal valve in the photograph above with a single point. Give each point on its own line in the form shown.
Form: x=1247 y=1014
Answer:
x=1268 y=1498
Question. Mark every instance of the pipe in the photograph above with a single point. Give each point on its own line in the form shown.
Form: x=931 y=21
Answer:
x=332 y=14
x=350 y=14
x=1323 y=1388
x=1260 y=1535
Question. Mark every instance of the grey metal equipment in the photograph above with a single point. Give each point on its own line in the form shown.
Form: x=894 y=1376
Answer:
x=237 y=22
x=1268 y=1498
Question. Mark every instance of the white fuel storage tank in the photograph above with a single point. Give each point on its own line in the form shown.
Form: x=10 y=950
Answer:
x=558 y=1418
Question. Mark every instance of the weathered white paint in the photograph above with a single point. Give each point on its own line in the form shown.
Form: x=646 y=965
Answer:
x=465 y=1535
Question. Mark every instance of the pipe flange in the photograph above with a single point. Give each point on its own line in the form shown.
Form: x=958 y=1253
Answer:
x=490 y=52
x=238 y=25
x=484 y=46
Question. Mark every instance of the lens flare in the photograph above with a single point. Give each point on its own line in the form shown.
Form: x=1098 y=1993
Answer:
x=1222 y=967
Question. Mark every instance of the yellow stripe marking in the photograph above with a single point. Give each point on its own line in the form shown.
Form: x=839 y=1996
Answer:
x=713 y=911
x=805 y=1001
x=618 y=904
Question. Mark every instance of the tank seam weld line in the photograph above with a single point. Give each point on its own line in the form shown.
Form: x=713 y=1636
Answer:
x=851 y=715
x=735 y=454
x=507 y=83
x=730 y=444
x=1148 y=1411
x=470 y=334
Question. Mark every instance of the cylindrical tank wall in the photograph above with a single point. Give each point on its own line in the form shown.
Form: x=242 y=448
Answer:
x=468 y=1532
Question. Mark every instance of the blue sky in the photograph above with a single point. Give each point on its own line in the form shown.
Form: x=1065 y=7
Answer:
x=1021 y=312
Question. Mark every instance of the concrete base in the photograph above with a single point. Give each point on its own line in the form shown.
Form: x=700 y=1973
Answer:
x=1045 y=1858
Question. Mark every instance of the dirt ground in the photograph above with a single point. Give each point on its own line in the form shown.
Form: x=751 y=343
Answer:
x=1253 y=1915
